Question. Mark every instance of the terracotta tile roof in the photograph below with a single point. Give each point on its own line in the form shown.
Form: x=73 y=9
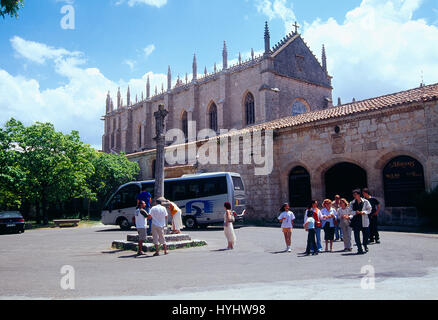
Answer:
x=426 y=93
x=421 y=94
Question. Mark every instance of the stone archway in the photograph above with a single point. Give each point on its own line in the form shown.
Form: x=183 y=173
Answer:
x=343 y=178
x=300 y=192
x=403 y=181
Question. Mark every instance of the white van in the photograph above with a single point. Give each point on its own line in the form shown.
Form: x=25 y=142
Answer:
x=201 y=198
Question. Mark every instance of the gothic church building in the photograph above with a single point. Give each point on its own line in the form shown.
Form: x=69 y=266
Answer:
x=388 y=144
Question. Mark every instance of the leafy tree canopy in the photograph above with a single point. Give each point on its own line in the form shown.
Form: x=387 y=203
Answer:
x=10 y=7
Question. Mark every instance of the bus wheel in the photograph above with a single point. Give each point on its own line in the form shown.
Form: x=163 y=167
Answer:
x=190 y=222
x=124 y=224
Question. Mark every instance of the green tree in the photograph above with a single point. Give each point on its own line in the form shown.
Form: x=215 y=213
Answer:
x=55 y=166
x=43 y=168
x=10 y=7
x=110 y=172
x=11 y=175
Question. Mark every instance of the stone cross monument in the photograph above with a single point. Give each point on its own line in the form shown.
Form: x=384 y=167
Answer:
x=160 y=115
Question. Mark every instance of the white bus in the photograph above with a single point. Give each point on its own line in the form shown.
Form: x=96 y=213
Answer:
x=200 y=197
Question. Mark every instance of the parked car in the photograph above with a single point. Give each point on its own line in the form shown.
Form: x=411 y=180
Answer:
x=11 y=221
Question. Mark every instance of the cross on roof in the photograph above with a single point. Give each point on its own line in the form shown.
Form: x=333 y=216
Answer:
x=296 y=27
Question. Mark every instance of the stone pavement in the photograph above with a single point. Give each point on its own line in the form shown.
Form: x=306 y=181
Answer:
x=404 y=266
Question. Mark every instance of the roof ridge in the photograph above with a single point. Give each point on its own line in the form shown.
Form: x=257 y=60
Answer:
x=390 y=94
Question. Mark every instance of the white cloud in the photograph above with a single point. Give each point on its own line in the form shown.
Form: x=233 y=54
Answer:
x=77 y=105
x=130 y=63
x=155 y=3
x=277 y=9
x=148 y=50
x=38 y=52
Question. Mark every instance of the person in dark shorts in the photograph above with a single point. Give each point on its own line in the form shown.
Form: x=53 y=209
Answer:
x=146 y=197
x=375 y=208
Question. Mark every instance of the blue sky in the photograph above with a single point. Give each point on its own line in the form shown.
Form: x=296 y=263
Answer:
x=48 y=73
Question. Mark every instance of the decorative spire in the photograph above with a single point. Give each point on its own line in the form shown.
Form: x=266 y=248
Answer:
x=162 y=87
x=128 y=98
x=205 y=71
x=187 y=78
x=215 y=68
x=136 y=99
x=119 y=97
x=252 y=53
x=148 y=88
x=339 y=101
x=169 y=79
x=354 y=99
x=142 y=96
x=267 y=39
x=324 y=59
x=195 y=68
x=225 y=56
x=111 y=105
x=156 y=90
x=108 y=102
x=240 y=58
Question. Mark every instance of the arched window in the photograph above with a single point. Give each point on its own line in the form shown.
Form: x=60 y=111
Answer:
x=403 y=181
x=249 y=109
x=185 y=125
x=212 y=117
x=298 y=107
x=139 y=137
x=300 y=193
x=343 y=178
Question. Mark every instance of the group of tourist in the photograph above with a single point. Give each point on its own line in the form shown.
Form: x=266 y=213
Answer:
x=158 y=220
x=338 y=218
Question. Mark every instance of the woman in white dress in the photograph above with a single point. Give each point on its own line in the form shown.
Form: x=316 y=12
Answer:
x=228 y=226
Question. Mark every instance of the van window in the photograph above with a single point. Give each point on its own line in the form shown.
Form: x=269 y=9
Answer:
x=125 y=197
x=238 y=184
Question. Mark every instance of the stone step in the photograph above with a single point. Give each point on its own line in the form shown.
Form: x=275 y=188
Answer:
x=167 y=237
x=149 y=247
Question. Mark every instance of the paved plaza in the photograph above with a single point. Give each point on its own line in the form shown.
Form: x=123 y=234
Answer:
x=404 y=265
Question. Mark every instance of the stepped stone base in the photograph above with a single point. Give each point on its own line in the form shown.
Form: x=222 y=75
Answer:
x=173 y=241
x=167 y=237
x=149 y=247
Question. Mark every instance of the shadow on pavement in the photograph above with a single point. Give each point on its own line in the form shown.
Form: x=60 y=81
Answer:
x=277 y=252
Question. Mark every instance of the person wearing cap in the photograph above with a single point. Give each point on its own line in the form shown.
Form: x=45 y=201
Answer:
x=159 y=223
x=360 y=209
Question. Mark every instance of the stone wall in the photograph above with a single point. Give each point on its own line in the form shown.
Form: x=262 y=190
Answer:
x=369 y=140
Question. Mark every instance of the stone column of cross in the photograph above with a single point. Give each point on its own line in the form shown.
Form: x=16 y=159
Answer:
x=160 y=116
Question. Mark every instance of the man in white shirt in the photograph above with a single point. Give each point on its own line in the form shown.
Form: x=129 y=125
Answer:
x=159 y=222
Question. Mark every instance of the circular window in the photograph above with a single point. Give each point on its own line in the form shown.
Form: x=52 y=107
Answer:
x=298 y=108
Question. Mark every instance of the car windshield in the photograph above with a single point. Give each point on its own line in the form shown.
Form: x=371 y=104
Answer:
x=10 y=214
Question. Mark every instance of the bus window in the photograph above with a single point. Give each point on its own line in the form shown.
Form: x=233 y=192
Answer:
x=238 y=184
x=149 y=188
x=214 y=186
x=194 y=189
x=125 y=197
